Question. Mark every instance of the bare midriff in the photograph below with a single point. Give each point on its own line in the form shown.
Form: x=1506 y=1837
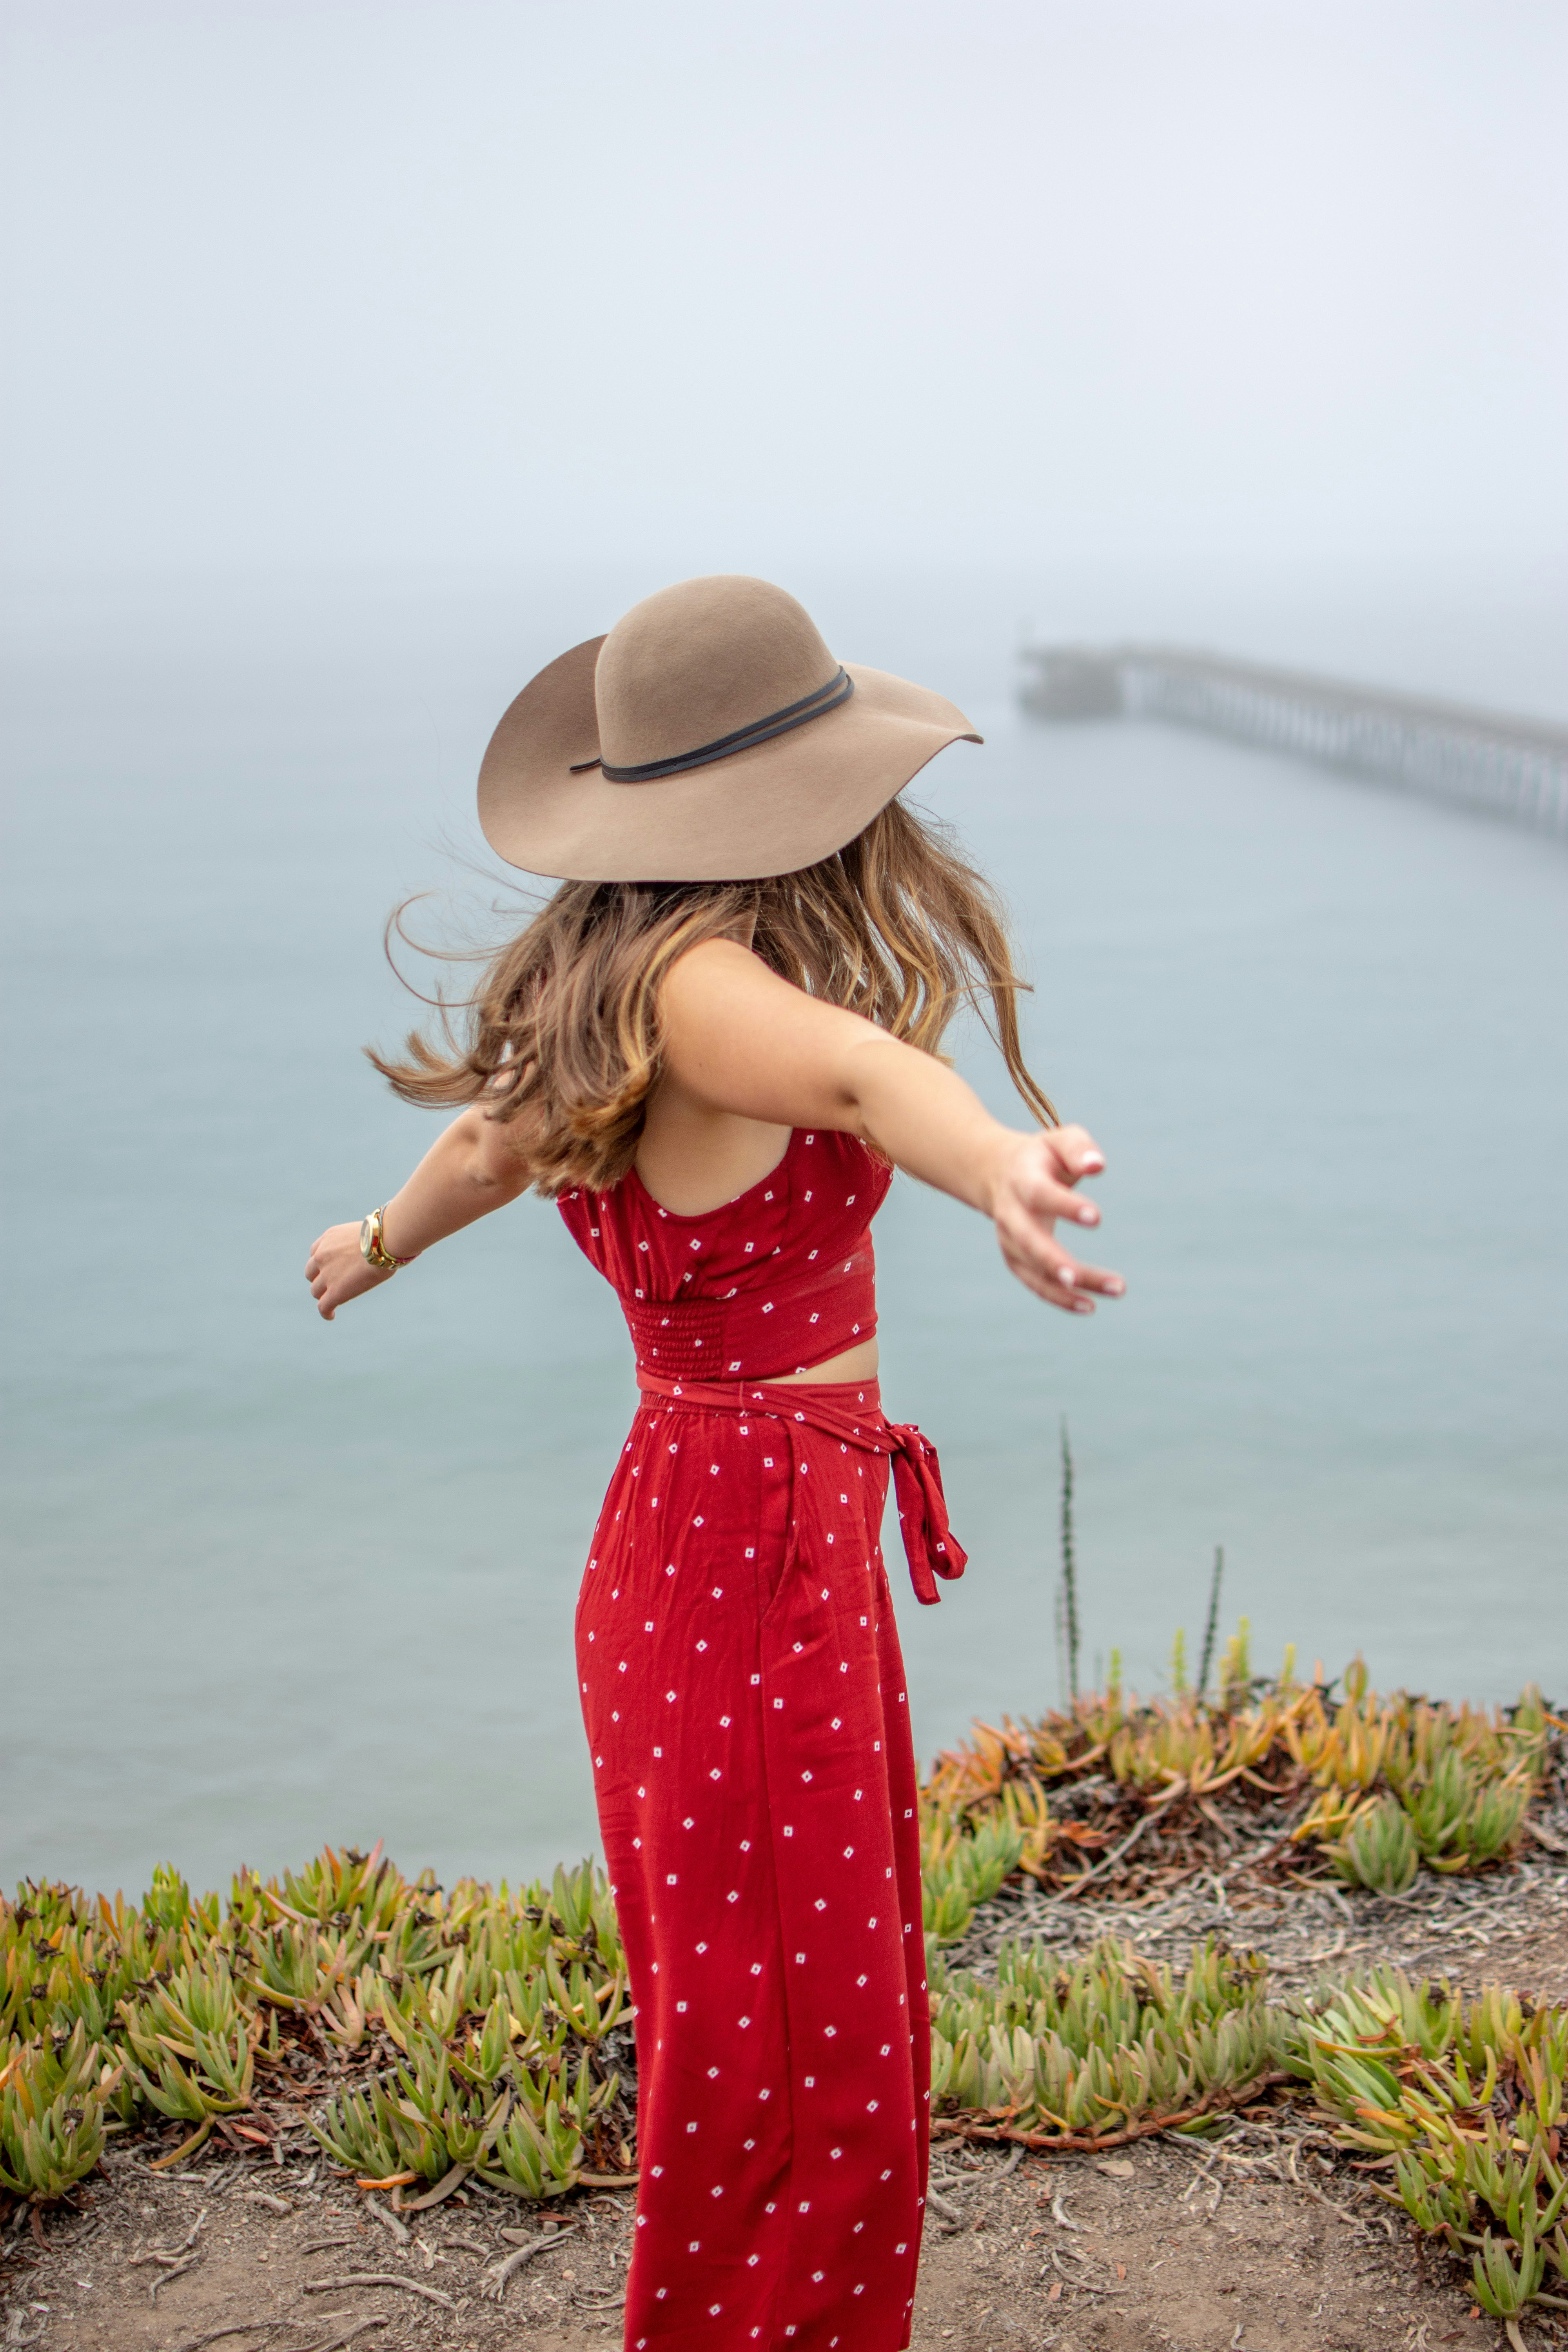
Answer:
x=858 y=1363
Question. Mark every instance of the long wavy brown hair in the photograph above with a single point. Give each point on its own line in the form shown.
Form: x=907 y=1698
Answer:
x=567 y=1025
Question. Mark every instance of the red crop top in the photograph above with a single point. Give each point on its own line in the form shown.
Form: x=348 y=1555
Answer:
x=774 y=1282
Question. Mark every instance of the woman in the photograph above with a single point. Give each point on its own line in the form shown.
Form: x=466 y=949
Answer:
x=711 y=1047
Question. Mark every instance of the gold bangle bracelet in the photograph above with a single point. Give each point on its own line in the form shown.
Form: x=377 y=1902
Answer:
x=373 y=1249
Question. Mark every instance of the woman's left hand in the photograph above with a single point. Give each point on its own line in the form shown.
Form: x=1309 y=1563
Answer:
x=338 y=1270
x=1034 y=1189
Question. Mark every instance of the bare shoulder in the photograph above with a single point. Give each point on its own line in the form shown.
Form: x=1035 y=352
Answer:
x=721 y=982
x=713 y=969
x=739 y=1038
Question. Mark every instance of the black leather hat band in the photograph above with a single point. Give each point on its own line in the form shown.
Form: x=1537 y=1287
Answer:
x=778 y=722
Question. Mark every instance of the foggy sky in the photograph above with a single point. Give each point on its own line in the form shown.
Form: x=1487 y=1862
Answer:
x=721 y=279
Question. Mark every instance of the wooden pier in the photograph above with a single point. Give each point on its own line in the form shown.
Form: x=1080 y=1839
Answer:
x=1516 y=768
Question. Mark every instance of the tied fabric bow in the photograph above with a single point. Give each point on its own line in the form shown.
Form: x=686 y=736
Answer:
x=930 y=1545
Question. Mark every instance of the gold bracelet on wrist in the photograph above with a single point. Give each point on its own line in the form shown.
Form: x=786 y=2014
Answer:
x=373 y=1249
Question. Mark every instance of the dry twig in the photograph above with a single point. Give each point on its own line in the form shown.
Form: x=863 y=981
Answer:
x=169 y=2253
x=1080 y=2284
x=165 y=2277
x=242 y=2327
x=360 y=2327
x=496 y=2281
x=389 y=2221
x=380 y=2278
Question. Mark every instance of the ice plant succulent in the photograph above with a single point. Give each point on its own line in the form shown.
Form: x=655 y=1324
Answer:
x=1101 y=2050
x=1380 y=1785
x=475 y=2025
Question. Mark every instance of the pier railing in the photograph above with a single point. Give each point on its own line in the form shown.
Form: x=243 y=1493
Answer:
x=1515 y=767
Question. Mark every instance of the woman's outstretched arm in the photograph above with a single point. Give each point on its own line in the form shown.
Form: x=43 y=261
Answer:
x=476 y=1165
x=740 y=1039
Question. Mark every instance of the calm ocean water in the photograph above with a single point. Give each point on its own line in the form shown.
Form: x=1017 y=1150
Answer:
x=269 y=1582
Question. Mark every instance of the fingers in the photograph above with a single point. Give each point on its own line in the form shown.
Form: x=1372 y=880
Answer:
x=1071 y=1274
x=1048 y=1170
x=1046 y=1286
x=1041 y=1192
x=1035 y=1195
x=1076 y=1151
x=1065 y=1283
x=340 y=1276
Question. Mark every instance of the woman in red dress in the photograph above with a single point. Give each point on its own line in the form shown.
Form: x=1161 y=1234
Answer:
x=712 y=1047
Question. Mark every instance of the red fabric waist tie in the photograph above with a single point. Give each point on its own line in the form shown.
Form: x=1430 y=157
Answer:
x=851 y=1412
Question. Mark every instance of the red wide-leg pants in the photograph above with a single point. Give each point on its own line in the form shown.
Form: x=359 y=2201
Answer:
x=745 y=1697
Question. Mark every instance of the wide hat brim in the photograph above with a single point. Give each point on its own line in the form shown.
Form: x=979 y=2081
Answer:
x=771 y=809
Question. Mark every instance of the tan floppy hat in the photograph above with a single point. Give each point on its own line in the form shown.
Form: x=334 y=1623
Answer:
x=709 y=737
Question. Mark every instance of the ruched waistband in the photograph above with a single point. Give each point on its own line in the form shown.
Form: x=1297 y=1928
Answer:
x=803 y=1319
x=850 y=1410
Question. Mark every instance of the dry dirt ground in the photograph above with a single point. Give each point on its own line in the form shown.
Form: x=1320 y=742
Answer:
x=1161 y=2247
x=1508 y=1926
x=1270 y=2241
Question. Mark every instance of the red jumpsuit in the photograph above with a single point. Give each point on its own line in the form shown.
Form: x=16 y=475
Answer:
x=744 y=1698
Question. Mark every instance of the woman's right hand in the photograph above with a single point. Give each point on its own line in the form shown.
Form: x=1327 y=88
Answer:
x=1034 y=1188
x=338 y=1270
